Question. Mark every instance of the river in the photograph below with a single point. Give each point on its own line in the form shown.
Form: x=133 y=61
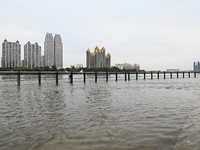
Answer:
x=158 y=114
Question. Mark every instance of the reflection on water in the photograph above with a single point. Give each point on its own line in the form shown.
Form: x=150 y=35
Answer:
x=8 y=77
x=147 y=115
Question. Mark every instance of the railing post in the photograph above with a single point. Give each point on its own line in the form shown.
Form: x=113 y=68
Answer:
x=129 y=76
x=164 y=74
x=39 y=78
x=151 y=75
x=125 y=76
x=95 y=76
x=116 y=76
x=84 y=77
x=71 y=77
x=195 y=74
x=183 y=75
x=158 y=75
x=171 y=75
x=177 y=74
x=189 y=74
x=106 y=76
x=57 y=77
x=136 y=75
x=18 y=78
x=144 y=75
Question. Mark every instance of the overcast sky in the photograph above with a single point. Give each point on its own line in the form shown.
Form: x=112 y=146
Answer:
x=156 y=34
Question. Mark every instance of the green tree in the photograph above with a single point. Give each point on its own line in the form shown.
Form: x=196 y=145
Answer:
x=61 y=69
x=53 y=68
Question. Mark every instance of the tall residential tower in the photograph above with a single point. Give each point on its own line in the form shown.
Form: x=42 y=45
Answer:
x=49 y=50
x=53 y=50
x=97 y=59
x=32 y=55
x=11 y=54
x=58 y=49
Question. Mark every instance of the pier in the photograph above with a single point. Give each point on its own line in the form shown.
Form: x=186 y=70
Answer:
x=127 y=75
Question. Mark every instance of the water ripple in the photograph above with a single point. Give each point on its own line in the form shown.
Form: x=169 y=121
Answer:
x=147 y=115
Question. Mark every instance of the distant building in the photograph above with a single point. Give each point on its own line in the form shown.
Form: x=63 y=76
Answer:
x=32 y=55
x=128 y=66
x=196 y=66
x=22 y=63
x=11 y=54
x=58 y=49
x=172 y=70
x=98 y=59
x=79 y=66
x=136 y=66
x=120 y=66
x=53 y=50
x=49 y=50
x=42 y=61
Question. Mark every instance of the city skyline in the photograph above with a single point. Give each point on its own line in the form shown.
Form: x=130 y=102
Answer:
x=60 y=50
x=53 y=53
x=158 y=35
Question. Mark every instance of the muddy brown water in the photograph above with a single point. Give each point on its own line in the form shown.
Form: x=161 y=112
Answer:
x=147 y=114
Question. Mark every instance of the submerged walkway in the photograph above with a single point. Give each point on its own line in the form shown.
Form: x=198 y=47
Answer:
x=127 y=75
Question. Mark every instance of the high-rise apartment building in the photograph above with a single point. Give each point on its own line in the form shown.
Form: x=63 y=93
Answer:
x=49 y=50
x=53 y=50
x=196 y=66
x=42 y=61
x=58 y=48
x=97 y=59
x=11 y=54
x=32 y=55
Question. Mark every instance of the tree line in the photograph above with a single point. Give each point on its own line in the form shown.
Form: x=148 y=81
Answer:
x=53 y=68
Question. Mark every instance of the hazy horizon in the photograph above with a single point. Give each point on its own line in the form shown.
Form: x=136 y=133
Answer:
x=157 y=35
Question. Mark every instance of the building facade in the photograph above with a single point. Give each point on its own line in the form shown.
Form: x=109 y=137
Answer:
x=53 y=51
x=79 y=65
x=172 y=70
x=11 y=54
x=58 y=51
x=128 y=66
x=32 y=55
x=49 y=50
x=196 y=66
x=42 y=61
x=98 y=59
